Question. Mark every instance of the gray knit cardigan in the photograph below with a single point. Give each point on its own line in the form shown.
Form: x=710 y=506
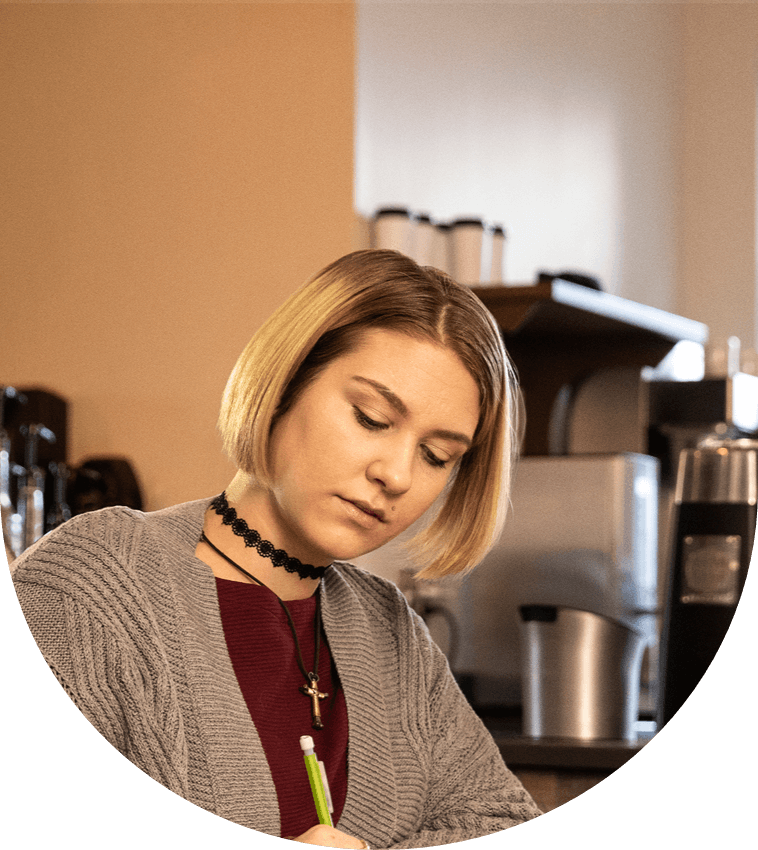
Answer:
x=128 y=619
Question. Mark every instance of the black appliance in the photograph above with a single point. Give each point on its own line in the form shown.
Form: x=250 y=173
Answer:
x=715 y=519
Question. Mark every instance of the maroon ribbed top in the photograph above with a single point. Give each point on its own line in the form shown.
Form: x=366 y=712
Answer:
x=263 y=655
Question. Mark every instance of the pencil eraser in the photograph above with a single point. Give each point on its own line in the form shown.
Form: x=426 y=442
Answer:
x=306 y=743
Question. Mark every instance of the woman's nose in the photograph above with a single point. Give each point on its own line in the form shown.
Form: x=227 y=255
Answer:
x=393 y=471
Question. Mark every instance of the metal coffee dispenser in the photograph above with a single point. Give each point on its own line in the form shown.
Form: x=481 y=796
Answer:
x=581 y=537
x=581 y=674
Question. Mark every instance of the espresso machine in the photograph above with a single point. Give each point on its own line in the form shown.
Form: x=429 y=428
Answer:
x=39 y=489
x=32 y=466
x=33 y=470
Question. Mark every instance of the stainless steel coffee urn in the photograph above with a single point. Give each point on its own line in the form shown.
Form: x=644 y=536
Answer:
x=715 y=505
x=581 y=674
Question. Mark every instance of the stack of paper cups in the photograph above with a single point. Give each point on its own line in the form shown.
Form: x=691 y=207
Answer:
x=393 y=229
x=466 y=250
x=467 y=240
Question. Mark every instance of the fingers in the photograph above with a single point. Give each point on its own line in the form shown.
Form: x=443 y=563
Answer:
x=328 y=836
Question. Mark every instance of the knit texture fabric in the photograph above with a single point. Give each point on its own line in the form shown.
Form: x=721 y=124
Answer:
x=128 y=619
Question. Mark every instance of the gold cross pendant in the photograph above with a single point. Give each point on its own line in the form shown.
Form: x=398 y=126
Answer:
x=310 y=690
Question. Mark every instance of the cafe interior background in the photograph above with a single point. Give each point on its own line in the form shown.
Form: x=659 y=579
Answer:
x=173 y=172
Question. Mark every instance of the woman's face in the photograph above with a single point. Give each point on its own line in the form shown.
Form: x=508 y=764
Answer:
x=368 y=447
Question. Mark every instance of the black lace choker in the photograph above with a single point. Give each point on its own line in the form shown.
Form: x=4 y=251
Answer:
x=265 y=548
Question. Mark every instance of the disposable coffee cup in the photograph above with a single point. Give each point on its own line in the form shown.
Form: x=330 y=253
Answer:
x=467 y=240
x=393 y=230
x=424 y=237
x=497 y=256
x=441 y=248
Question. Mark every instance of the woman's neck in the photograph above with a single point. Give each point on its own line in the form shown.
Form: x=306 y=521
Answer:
x=284 y=584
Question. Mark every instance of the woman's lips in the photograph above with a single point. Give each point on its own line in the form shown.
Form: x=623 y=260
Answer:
x=364 y=513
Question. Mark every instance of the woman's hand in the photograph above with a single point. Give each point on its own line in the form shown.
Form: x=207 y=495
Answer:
x=328 y=836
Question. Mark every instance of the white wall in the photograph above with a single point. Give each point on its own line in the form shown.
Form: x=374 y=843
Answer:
x=614 y=138
x=559 y=120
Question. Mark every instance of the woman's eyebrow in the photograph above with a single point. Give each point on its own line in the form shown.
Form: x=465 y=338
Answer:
x=391 y=397
x=398 y=404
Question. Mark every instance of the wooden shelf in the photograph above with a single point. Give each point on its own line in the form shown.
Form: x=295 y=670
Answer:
x=559 y=333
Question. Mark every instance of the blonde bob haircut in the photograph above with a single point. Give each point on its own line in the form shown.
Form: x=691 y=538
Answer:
x=324 y=320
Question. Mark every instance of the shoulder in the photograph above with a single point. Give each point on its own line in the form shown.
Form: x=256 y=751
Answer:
x=118 y=542
x=118 y=528
x=89 y=532
x=79 y=576
x=86 y=562
x=112 y=565
x=355 y=593
x=347 y=580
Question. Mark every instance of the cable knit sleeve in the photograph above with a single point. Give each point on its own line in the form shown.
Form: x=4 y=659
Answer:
x=423 y=769
x=84 y=609
x=471 y=792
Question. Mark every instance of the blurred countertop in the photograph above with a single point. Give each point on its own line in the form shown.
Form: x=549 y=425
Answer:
x=561 y=753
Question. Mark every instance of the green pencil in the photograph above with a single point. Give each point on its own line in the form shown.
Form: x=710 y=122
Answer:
x=316 y=779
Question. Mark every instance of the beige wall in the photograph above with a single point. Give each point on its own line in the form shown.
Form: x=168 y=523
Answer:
x=170 y=173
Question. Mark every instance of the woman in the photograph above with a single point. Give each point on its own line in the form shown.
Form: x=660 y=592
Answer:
x=205 y=639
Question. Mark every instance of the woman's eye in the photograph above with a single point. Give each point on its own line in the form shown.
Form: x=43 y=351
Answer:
x=433 y=460
x=373 y=425
x=367 y=422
